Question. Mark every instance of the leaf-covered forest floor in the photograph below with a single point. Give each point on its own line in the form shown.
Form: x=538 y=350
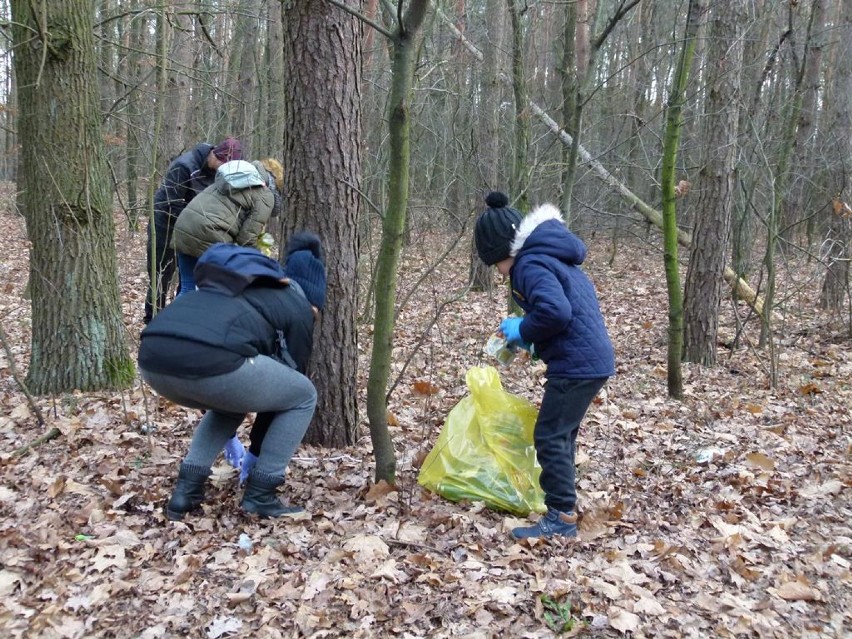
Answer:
x=722 y=515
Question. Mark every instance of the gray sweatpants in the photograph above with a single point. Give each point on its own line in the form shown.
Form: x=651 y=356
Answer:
x=260 y=385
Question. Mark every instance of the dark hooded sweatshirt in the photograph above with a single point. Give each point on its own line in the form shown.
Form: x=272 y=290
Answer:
x=236 y=313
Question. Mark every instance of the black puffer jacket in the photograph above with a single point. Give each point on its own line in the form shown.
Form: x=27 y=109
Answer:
x=212 y=330
x=187 y=176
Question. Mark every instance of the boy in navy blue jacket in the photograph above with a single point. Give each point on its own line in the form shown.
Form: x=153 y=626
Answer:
x=564 y=326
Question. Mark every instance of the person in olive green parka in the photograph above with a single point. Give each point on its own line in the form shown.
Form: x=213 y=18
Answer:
x=233 y=210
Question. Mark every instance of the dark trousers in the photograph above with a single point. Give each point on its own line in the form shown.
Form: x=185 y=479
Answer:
x=186 y=270
x=563 y=407
x=161 y=262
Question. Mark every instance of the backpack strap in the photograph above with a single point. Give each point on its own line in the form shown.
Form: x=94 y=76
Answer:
x=281 y=353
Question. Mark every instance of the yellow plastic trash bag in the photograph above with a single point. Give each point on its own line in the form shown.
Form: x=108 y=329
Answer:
x=485 y=451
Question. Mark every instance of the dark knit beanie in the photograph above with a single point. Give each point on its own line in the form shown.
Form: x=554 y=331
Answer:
x=495 y=229
x=228 y=149
x=305 y=265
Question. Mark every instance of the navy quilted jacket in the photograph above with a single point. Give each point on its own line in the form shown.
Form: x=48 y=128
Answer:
x=562 y=317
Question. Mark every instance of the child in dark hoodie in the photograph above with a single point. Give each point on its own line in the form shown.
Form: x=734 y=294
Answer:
x=563 y=325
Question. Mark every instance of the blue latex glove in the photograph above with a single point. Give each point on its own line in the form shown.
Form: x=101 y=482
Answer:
x=234 y=451
x=249 y=460
x=511 y=329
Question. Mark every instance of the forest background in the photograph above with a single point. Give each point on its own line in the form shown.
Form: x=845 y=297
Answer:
x=715 y=496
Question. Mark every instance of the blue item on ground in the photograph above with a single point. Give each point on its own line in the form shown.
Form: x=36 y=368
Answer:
x=234 y=452
x=248 y=462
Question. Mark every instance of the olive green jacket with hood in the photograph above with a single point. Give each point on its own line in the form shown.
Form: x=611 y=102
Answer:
x=222 y=213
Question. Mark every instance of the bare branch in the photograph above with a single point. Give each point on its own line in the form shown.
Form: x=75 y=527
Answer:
x=357 y=14
x=13 y=369
x=626 y=6
x=461 y=37
x=53 y=433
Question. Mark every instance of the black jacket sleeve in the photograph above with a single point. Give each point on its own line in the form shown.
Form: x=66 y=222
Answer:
x=286 y=310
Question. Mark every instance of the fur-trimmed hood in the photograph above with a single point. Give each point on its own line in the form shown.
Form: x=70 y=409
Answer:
x=543 y=231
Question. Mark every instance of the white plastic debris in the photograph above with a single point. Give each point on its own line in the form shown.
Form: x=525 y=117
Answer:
x=706 y=455
x=245 y=542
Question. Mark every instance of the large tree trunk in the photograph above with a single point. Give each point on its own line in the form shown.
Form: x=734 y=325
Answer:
x=322 y=173
x=65 y=195
x=715 y=187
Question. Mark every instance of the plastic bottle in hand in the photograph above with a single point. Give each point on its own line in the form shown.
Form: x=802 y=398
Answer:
x=500 y=350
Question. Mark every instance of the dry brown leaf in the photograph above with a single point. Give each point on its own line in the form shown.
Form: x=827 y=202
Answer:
x=759 y=460
x=367 y=547
x=811 y=388
x=389 y=570
x=830 y=487
x=317 y=582
x=379 y=491
x=798 y=591
x=622 y=620
x=20 y=413
x=648 y=606
x=422 y=387
x=56 y=487
x=8 y=582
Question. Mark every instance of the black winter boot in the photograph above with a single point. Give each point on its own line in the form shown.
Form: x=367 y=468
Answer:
x=189 y=491
x=260 y=497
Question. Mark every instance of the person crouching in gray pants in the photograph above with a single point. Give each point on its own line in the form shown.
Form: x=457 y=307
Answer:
x=240 y=344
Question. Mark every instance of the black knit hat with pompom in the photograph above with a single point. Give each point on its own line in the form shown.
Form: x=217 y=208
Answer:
x=305 y=265
x=495 y=228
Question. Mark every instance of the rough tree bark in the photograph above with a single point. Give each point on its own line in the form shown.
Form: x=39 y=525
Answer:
x=716 y=184
x=65 y=196
x=322 y=173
